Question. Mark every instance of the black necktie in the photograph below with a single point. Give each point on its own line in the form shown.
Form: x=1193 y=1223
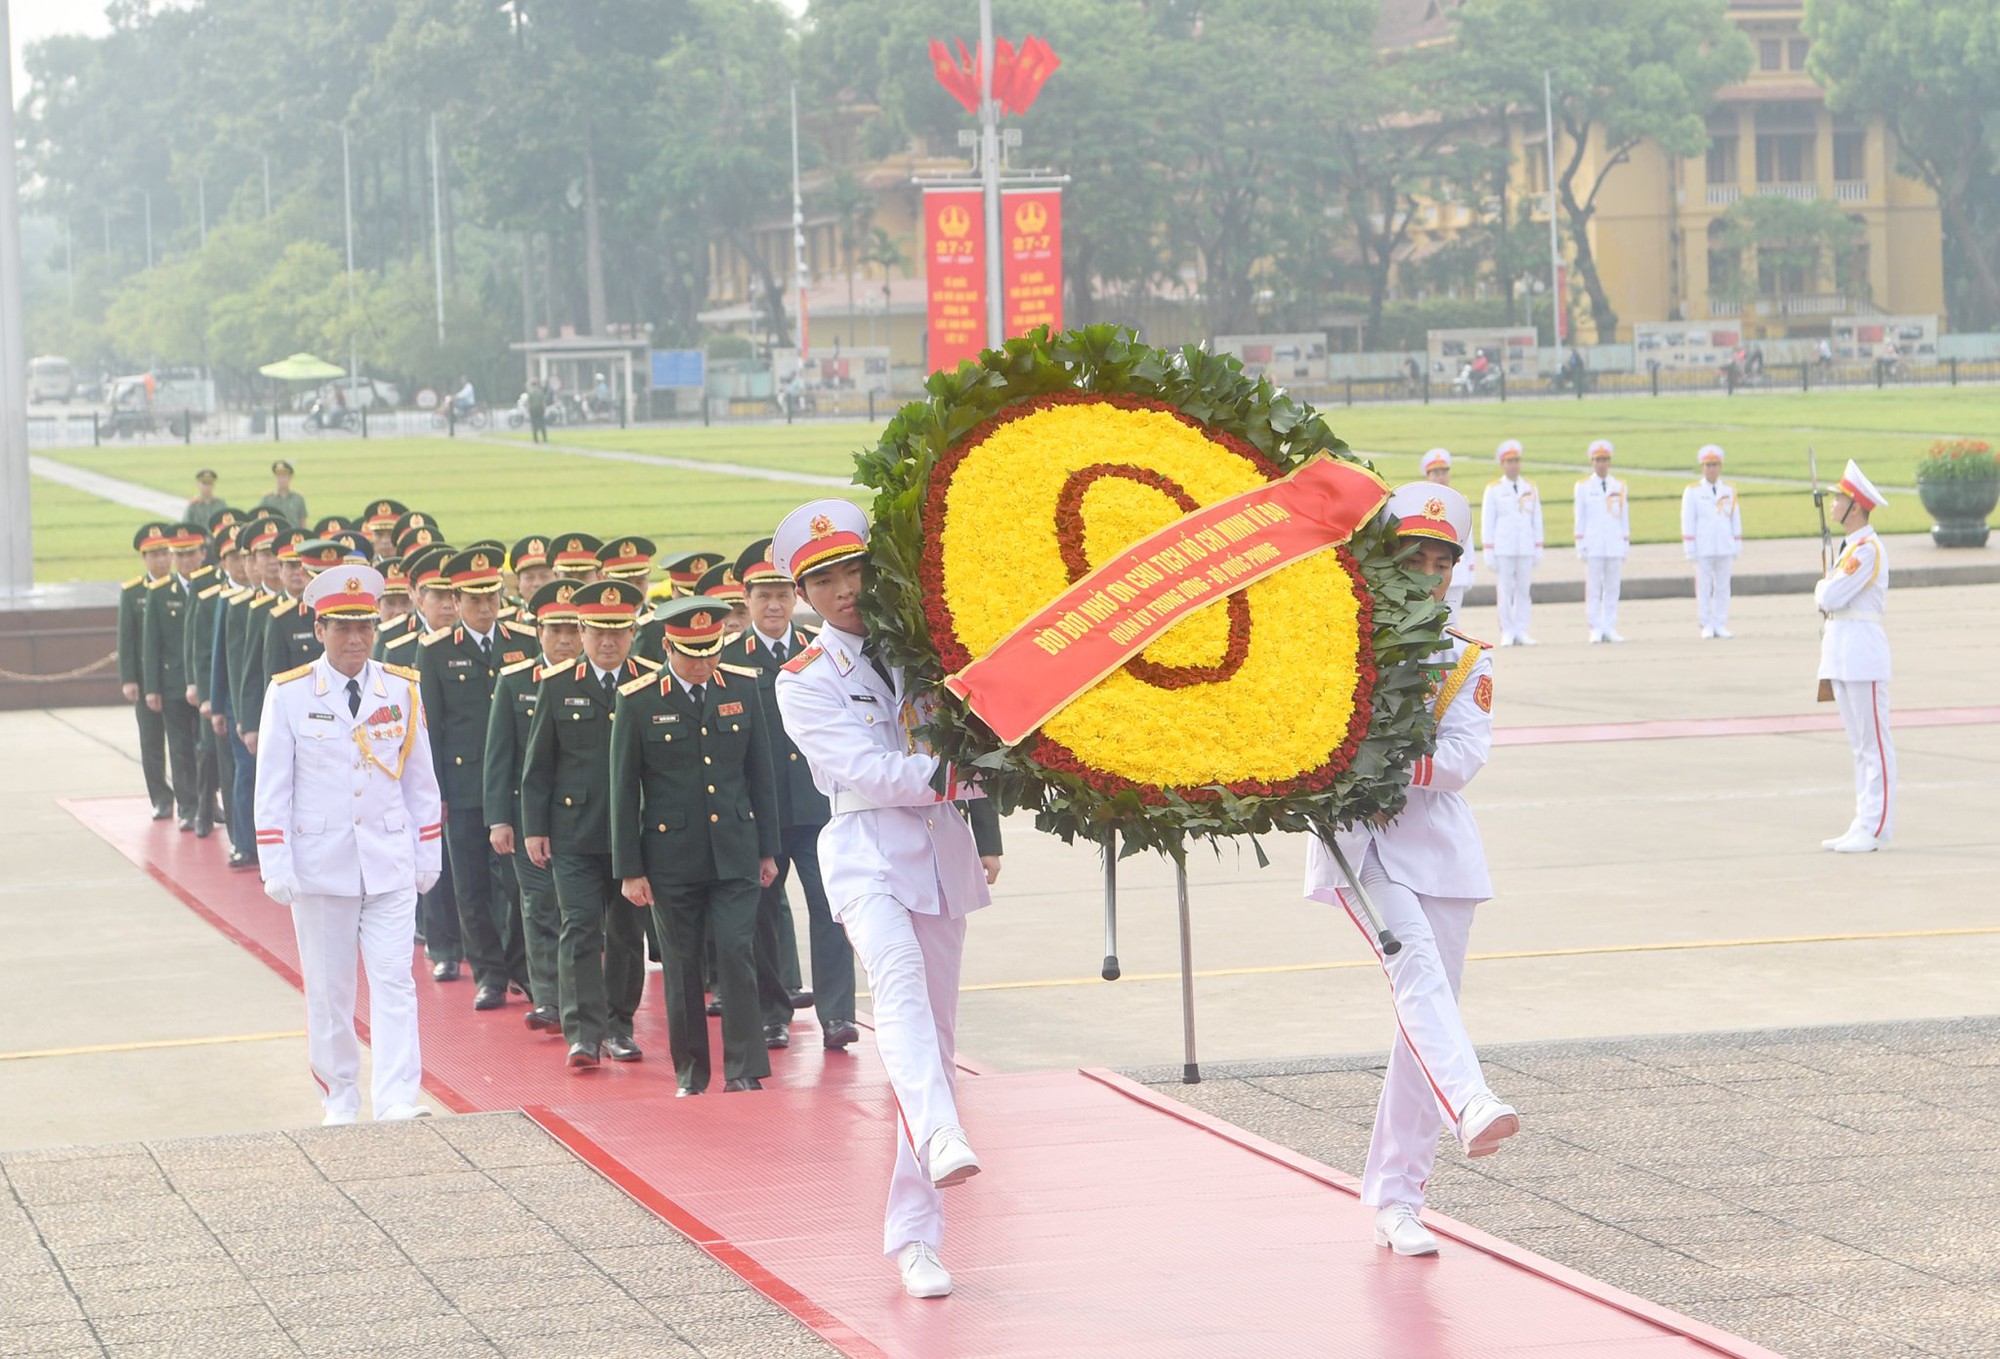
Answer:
x=694 y=693
x=610 y=683
x=486 y=649
x=354 y=698
x=778 y=651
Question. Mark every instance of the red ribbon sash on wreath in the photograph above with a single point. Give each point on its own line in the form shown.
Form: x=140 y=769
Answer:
x=1123 y=606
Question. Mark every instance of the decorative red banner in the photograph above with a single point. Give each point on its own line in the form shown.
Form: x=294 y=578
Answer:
x=1031 y=265
x=1123 y=606
x=955 y=276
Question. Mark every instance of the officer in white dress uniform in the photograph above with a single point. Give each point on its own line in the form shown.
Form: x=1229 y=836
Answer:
x=1425 y=870
x=900 y=864
x=1510 y=529
x=1712 y=537
x=1603 y=537
x=1436 y=469
x=349 y=828
x=1854 y=657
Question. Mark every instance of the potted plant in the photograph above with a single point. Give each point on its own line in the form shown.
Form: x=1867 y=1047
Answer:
x=1959 y=483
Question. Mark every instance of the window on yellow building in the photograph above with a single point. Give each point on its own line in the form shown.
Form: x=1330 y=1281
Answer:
x=1785 y=143
x=1795 y=53
x=1770 y=54
x=1722 y=160
x=1850 y=154
x=1725 y=263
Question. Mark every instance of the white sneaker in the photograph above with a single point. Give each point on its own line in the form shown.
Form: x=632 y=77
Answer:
x=1614 y=637
x=1856 y=842
x=1397 y=1227
x=1724 y=632
x=336 y=1119
x=1506 y=641
x=1596 y=637
x=950 y=1159
x=402 y=1113
x=1485 y=1124
x=1525 y=640
x=924 y=1274
x=1708 y=634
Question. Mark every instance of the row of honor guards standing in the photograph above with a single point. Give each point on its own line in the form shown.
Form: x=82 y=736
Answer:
x=568 y=854
x=1511 y=538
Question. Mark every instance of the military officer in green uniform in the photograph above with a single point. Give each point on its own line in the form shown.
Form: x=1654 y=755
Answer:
x=396 y=603
x=511 y=715
x=232 y=689
x=458 y=666
x=529 y=560
x=208 y=582
x=685 y=571
x=771 y=640
x=207 y=506
x=434 y=606
x=566 y=822
x=163 y=661
x=378 y=521
x=290 y=637
x=211 y=669
x=156 y=559
x=281 y=499
x=574 y=555
x=694 y=835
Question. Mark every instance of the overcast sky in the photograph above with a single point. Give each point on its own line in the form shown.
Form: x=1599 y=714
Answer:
x=32 y=19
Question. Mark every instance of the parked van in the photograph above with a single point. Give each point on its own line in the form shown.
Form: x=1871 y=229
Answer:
x=50 y=379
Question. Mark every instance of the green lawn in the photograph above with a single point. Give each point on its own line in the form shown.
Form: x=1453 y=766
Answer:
x=503 y=487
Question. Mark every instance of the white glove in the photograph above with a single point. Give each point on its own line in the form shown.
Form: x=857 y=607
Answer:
x=426 y=881
x=282 y=890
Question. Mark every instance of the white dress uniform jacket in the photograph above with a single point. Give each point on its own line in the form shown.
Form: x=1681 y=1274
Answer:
x=890 y=833
x=1711 y=520
x=1510 y=519
x=1853 y=597
x=347 y=805
x=1603 y=517
x=1433 y=846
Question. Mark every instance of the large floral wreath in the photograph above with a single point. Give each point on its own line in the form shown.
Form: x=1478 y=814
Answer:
x=1294 y=704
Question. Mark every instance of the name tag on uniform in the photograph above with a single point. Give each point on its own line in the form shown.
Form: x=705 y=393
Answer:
x=660 y=719
x=863 y=698
x=576 y=703
x=457 y=664
x=319 y=717
x=729 y=710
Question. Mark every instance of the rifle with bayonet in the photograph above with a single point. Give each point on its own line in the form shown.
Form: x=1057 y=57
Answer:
x=1819 y=495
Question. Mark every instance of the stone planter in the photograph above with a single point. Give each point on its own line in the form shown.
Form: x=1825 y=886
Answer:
x=1959 y=509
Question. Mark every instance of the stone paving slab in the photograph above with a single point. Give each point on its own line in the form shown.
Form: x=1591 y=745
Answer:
x=1832 y=1193
x=466 y=1236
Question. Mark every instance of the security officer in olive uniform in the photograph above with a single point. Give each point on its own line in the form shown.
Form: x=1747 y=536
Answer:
x=762 y=651
x=163 y=661
x=694 y=835
x=458 y=666
x=150 y=542
x=566 y=821
x=511 y=715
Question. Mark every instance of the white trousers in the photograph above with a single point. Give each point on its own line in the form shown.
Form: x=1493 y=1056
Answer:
x=912 y=962
x=1864 y=711
x=1600 y=592
x=1512 y=581
x=336 y=933
x=1433 y=1070
x=1711 y=591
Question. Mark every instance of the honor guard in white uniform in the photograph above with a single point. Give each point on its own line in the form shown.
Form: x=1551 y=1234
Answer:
x=1510 y=530
x=901 y=867
x=1425 y=870
x=1712 y=537
x=1436 y=469
x=1603 y=537
x=349 y=830
x=1854 y=658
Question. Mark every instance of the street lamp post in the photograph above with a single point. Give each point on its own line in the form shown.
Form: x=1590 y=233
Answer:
x=989 y=174
x=347 y=211
x=17 y=557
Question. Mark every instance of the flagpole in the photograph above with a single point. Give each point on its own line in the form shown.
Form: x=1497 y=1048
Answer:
x=989 y=177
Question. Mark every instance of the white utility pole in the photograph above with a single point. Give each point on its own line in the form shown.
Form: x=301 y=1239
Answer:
x=1556 y=309
x=17 y=551
x=149 y=226
x=799 y=233
x=347 y=203
x=437 y=216
x=989 y=175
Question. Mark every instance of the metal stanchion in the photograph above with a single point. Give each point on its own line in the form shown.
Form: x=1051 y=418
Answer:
x=1111 y=970
x=1190 y=1068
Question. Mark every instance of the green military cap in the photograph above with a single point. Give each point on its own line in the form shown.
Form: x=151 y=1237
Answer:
x=261 y=533
x=320 y=554
x=693 y=625
x=626 y=558
x=721 y=582
x=426 y=567
x=575 y=553
x=476 y=570
x=555 y=602
x=417 y=537
x=186 y=537
x=689 y=567
x=416 y=519
x=225 y=539
x=381 y=515
x=395 y=576
x=282 y=466
x=206 y=476
x=755 y=567
x=152 y=536
x=608 y=603
x=531 y=551
x=359 y=548
x=332 y=525
x=290 y=541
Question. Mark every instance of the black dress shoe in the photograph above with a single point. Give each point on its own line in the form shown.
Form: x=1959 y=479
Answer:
x=682 y=1092
x=619 y=1048
x=777 y=1036
x=203 y=828
x=741 y=1083
x=489 y=998
x=444 y=971
x=839 y=1033
x=238 y=859
x=187 y=824
x=543 y=1019
x=802 y=1000
x=162 y=810
x=582 y=1056
x=713 y=1009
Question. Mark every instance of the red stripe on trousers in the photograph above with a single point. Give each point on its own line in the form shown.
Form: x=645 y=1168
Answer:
x=1881 y=755
x=1428 y=1078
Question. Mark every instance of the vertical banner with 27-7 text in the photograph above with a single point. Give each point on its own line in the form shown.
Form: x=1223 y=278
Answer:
x=1031 y=259
x=955 y=276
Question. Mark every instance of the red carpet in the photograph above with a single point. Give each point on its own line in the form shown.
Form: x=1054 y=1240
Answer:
x=1110 y=1220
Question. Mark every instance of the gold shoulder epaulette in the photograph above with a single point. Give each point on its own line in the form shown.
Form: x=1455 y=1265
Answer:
x=551 y=671
x=809 y=629
x=804 y=659
x=520 y=629
x=436 y=635
x=133 y=583
x=1469 y=639
x=298 y=673
x=281 y=609
x=261 y=603
x=518 y=666
x=747 y=671
x=647 y=664
x=157 y=582
x=404 y=672
x=404 y=640
x=201 y=573
x=636 y=683
x=211 y=592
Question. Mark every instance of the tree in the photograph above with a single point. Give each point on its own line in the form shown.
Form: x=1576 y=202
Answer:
x=1626 y=72
x=1928 y=69
x=1774 y=235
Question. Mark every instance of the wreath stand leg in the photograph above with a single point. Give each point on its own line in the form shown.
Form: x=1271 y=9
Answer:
x=1111 y=969
x=1190 y=1069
